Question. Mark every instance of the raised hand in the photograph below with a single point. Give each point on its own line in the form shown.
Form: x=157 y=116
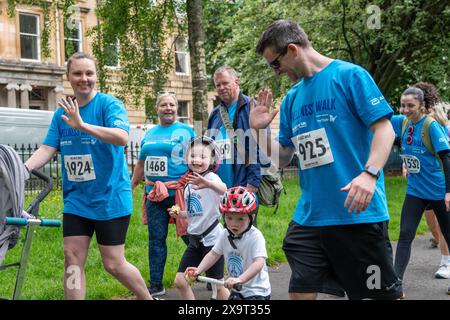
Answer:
x=260 y=114
x=72 y=113
x=198 y=181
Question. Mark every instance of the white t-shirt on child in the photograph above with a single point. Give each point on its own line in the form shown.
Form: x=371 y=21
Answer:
x=202 y=207
x=252 y=245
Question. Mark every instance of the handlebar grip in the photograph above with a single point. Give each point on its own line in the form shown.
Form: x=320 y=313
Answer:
x=24 y=222
x=237 y=287
x=15 y=221
x=50 y=223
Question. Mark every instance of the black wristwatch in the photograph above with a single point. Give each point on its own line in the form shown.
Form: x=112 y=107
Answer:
x=373 y=171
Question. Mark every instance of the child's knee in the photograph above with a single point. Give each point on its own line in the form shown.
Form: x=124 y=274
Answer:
x=180 y=281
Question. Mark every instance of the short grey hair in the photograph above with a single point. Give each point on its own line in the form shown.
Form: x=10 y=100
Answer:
x=232 y=72
x=166 y=94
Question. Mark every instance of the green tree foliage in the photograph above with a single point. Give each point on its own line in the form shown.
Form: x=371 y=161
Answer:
x=398 y=42
x=138 y=29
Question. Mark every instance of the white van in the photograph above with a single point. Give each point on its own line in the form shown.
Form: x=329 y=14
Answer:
x=24 y=126
x=136 y=134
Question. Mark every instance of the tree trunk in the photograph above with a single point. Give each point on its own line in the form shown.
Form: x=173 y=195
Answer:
x=198 y=64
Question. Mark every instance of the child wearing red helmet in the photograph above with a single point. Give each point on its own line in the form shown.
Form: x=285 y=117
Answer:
x=243 y=247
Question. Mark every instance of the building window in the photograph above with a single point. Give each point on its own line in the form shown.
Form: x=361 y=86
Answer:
x=151 y=55
x=112 y=54
x=73 y=41
x=180 y=8
x=29 y=36
x=36 y=94
x=181 y=56
x=183 y=114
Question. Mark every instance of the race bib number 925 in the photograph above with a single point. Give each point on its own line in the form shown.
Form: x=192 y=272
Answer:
x=313 y=149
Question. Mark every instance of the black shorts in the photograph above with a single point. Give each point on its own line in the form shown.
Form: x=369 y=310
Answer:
x=353 y=259
x=108 y=232
x=193 y=256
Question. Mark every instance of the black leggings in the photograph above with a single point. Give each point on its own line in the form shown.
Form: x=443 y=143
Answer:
x=412 y=211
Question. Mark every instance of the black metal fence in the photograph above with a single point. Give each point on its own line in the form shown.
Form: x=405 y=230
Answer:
x=53 y=168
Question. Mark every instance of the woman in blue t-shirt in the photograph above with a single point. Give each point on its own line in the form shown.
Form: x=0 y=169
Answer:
x=161 y=160
x=438 y=112
x=427 y=184
x=91 y=131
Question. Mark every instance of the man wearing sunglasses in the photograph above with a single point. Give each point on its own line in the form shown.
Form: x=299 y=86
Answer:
x=337 y=121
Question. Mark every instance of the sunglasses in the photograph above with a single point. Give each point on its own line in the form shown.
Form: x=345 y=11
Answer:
x=409 y=138
x=275 y=64
x=166 y=93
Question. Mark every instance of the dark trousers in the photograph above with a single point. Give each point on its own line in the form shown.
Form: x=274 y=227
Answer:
x=412 y=211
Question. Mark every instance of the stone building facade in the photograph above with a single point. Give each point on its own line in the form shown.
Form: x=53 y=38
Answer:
x=30 y=81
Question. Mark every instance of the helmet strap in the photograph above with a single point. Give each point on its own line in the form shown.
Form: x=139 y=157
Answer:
x=231 y=235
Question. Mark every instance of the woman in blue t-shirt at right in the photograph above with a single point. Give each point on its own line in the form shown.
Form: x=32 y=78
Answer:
x=428 y=181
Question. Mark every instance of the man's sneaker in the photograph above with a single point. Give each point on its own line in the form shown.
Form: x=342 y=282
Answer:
x=443 y=272
x=156 y=289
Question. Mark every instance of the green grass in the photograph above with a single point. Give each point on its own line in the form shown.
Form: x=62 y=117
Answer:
x=45 y=266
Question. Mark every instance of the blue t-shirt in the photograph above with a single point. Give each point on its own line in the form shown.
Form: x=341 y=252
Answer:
x=425 y=177
x=162 y=149
x=225 y=170
x=326 y=118
x=95 y=178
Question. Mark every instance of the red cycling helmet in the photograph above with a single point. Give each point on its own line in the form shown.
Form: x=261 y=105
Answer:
x=238 y=200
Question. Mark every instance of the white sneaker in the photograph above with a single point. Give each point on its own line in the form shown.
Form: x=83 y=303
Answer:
x=443 y=272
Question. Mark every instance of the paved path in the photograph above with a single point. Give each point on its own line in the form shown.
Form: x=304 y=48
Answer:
x=420 y=283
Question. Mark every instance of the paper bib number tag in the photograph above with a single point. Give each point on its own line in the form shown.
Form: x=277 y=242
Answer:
x=80 y=168
x=412 y=163
x=156 y=166
x=225 y=148
x=313 y=149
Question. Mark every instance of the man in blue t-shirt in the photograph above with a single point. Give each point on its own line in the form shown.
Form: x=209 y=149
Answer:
x=337 y=121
